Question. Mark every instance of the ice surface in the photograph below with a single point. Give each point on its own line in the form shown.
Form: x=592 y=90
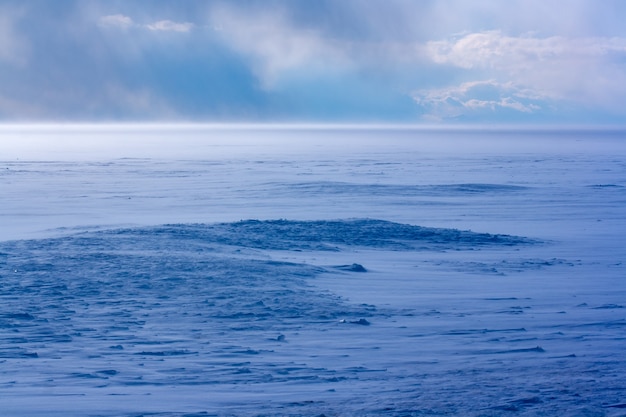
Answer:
x=386 y=272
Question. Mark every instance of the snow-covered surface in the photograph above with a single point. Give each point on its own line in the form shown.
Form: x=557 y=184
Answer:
x=193 y=271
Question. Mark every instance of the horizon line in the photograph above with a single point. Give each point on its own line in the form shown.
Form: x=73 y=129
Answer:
x=70 y=125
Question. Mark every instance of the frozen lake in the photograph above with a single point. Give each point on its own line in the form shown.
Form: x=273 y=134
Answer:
x=270 y=270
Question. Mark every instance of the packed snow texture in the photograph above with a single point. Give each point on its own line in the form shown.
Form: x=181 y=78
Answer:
x=394 y=279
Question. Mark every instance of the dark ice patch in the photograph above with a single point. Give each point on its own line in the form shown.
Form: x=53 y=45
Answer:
x=519 y=404
x=351 y=268
x=605 y=186
x=18 y=316
x=165 y=353
x=536 y=349
x=607 y=307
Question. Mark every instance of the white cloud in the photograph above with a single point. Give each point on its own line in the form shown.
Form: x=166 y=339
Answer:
x=119 y=21
x=275 y=45
x=493 y=49
x=476 y=97
x=169 y=26
x=529 y=71
x=589 y=71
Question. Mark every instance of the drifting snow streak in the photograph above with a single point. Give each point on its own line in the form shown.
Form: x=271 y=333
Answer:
x=333 y=187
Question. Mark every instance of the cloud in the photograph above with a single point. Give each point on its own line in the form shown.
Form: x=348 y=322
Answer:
x=274 y=45
x=476 y=98
x=588 y=71
x=493 y=49
x=326 y=59
x=169 y=26
x=120 y=21
x=296 y=47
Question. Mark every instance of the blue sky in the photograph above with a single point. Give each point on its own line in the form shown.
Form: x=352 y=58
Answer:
x=395 y=61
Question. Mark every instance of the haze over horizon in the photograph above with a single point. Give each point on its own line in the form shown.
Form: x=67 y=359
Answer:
x=395 y=61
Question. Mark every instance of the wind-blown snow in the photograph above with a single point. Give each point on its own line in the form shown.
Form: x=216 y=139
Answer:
x=131 y=287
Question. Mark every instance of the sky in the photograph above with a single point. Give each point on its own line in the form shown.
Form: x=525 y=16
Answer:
x=375 y=61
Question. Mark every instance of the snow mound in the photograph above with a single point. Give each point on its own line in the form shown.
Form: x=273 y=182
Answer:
x=330 y=235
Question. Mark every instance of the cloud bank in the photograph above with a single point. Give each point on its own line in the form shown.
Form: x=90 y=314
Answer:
x=586 y=71
x=397 y=60
x=275 y=46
